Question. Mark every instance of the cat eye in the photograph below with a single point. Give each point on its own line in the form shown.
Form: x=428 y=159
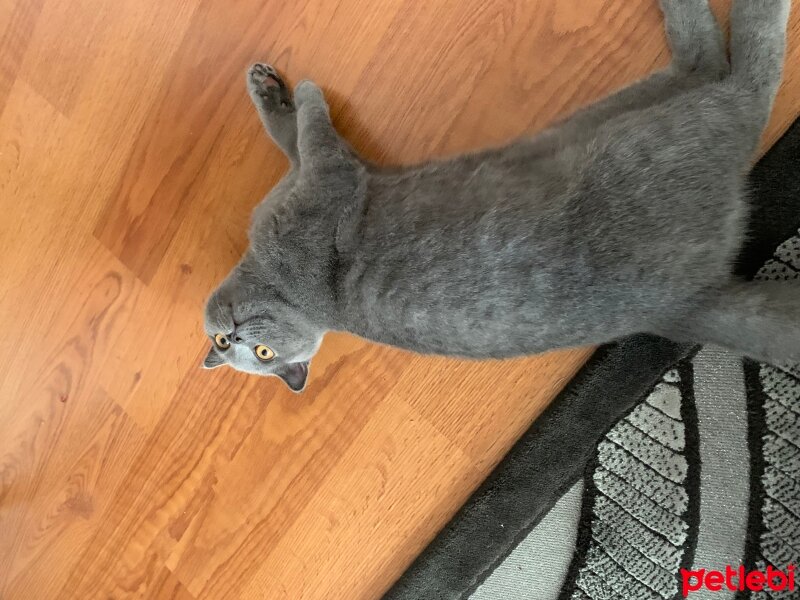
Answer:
x=222 y=342
x=264 y=353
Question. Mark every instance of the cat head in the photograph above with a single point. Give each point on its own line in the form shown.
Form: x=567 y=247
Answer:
x=254 y=328
x=270 y=314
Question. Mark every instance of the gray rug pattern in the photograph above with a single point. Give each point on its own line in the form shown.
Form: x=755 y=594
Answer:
x=639 y=510
x=779 y=540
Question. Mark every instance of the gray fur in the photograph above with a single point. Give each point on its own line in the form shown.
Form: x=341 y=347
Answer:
x=624 y=218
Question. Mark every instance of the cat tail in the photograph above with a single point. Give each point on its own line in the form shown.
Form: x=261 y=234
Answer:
x=758 y=319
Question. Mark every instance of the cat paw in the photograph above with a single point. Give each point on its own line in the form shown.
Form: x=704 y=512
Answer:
x=268 y=89
x=308 y=91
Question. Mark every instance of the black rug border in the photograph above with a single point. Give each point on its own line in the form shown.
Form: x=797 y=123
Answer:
x=468 y=549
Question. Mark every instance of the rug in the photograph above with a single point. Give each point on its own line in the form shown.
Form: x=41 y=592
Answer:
x=662 y=470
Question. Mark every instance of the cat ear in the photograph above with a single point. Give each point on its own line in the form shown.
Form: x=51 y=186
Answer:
x=213 y=359
x=294 y=375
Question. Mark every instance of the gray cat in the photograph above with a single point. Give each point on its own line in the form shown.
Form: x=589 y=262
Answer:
x=624 y=218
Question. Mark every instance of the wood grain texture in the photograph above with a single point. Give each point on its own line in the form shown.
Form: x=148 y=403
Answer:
x=130 y=160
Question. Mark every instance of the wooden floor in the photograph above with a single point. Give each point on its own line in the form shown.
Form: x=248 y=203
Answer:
x=130 y=159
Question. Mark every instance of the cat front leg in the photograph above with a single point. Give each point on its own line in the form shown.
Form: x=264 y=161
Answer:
x=275 y=107
x=320 y=147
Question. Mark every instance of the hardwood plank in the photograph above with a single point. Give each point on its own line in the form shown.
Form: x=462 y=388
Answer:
x=51 y=417
x=70 y=501
x=167 y=587
x=152 y=197
x=20 y=18
x=297 y=448
x=365 y=493
x=63 y=57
